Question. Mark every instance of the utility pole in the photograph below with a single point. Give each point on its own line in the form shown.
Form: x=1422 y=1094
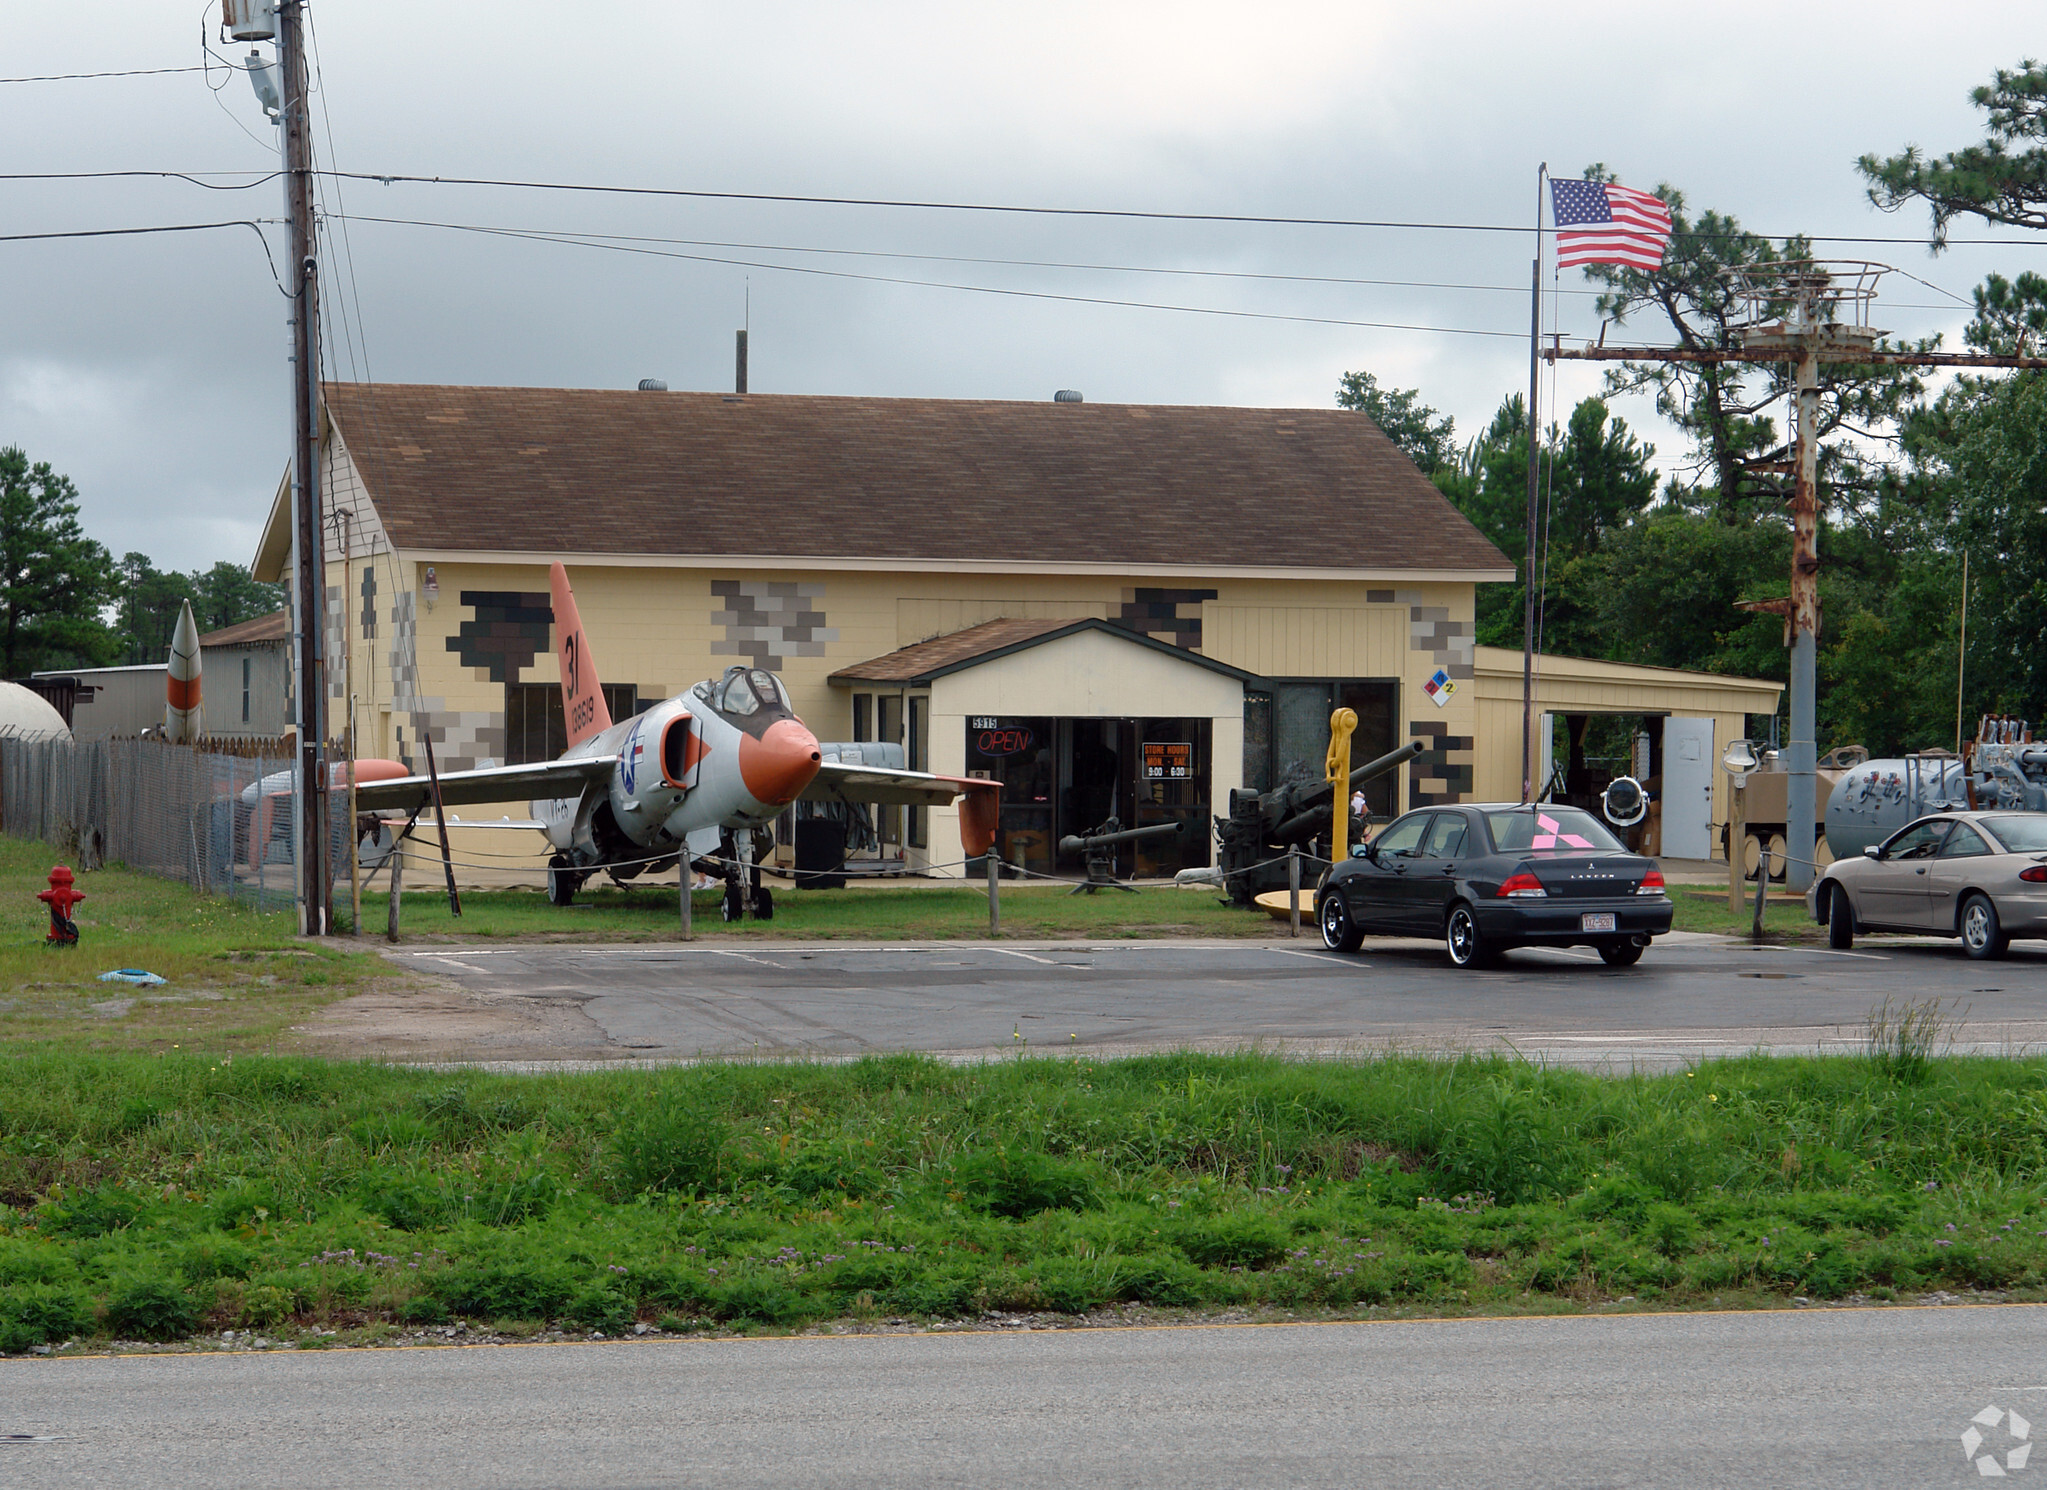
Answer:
x=1528 y=560
x=1810 y=299
x=316 y=890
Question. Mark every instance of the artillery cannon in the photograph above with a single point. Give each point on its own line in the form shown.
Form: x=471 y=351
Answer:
x=1262 y=825
x=1098 y=846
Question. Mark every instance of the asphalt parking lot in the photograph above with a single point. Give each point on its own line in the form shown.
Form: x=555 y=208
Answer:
x=1691 y=996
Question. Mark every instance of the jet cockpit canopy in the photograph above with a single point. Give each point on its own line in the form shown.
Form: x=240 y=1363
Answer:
x=750 y=697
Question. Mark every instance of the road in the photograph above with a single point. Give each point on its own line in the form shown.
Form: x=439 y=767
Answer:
x=1805 y=1398
x=1691 y=996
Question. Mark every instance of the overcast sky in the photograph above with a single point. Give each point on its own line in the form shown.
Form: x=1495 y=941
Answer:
x=152 y=369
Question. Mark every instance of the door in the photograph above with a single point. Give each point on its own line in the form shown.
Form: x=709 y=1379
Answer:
x=1378 y=887
x=1895 y=890
x=1957 y=867
x=1688 y=763
x=1432 y=877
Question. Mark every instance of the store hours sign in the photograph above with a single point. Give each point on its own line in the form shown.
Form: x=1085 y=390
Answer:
x=1168 y=760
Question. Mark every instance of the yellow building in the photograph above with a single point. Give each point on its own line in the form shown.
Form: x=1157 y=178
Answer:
x=1245 y=571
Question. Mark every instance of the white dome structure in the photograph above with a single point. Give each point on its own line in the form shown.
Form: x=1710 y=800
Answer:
x=27 y=715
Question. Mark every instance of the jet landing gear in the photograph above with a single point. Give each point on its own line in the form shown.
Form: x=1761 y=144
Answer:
x=563 y=880
x=744 y=891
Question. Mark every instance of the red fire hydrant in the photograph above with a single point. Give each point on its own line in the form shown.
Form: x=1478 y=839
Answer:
x=60 y=897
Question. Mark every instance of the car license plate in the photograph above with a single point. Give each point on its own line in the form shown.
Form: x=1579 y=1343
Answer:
x=1596 y=921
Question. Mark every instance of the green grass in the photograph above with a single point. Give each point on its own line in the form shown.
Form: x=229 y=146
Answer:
x=236 y=977
x=152 y=1196
x=1029 y=912
x=1784 y=914
x=938 y=913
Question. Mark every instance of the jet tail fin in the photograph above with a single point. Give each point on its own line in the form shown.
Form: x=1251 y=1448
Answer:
x=583 y=706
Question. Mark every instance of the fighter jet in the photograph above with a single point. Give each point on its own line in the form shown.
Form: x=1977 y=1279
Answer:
x=693 y=778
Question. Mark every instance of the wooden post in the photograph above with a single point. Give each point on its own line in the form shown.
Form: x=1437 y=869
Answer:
x=1737 y=837
x=397 y=887
x=994 y=891
x=354 y=830
x=1293 y=888
x=1755 y=931
x=433 y=777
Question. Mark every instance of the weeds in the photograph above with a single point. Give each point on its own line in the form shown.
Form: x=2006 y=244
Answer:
x=1904 y=1039
x=151 y=1196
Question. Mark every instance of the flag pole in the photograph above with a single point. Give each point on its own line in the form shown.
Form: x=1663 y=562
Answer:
x=1528 y=561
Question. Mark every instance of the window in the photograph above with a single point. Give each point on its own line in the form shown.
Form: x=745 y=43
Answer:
x=1404 y=837
x=863 y=717
x=1964 y=843
x=534 y=728
x=1446 y=837
x=1257 y=741
x=1297 y=735
x=1920 y=841
x=1017 y=751
x=888 y=730
x=2020 y=835
x=918 y=749
x=245 y=690
x=1550 y=829
x=737 y=697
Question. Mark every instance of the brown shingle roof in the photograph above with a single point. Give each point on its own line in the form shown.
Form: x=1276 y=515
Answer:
x=275 y=627
x=564 y=471
x=921 y=659
x=920 y=662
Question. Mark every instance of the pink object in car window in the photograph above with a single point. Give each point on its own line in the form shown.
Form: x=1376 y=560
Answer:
x=1549 y=833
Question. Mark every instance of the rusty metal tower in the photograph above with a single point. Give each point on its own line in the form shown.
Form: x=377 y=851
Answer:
x=1804 y=312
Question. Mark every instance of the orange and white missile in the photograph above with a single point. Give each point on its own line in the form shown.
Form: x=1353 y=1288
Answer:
x=184 y=717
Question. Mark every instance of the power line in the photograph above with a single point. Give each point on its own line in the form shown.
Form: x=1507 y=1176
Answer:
x=389 y=179
x=932 y=206
x=177 y=227
x=595 y=239
x=598 y=239
x=933 y=284
x=70 y=77
x=193 y=177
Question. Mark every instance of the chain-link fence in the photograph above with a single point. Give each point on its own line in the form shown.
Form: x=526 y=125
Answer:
x=221 y=823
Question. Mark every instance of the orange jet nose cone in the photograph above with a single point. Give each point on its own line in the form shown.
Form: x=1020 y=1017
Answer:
x=778 y=765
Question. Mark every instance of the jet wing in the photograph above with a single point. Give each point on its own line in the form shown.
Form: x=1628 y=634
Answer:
x=979 y=813
x=836 y=783
x=538 y=781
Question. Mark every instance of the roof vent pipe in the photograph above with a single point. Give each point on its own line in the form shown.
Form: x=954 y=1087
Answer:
x=1068 y=396
x=653 y=385
x=739 y=365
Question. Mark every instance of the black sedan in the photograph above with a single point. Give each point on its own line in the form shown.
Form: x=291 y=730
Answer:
x=1492 y=876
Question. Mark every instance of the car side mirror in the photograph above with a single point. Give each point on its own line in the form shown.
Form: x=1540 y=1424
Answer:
x=1370 y=849
x=1872 y=852
x=1361 y=850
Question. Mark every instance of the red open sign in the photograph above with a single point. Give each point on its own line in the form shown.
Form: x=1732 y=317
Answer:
x=1011 y=741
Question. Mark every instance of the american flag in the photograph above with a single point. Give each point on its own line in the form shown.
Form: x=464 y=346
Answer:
x=1599 y=223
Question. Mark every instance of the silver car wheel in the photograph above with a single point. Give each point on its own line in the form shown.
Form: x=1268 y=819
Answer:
x=1983 y=937
x=1460 y=937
